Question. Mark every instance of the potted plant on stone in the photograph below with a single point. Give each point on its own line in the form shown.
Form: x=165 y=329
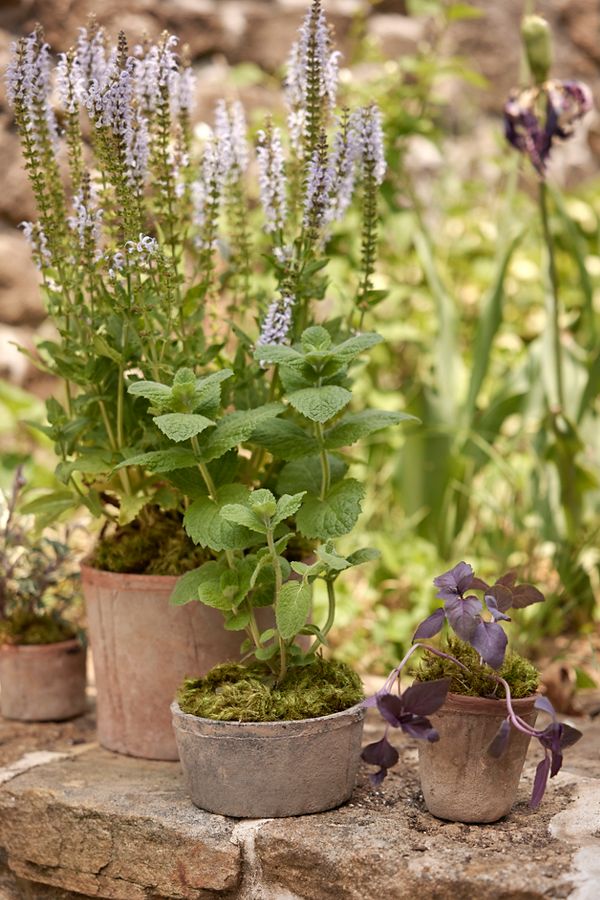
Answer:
x=42 y=654
x=482 y=702
x=149 y=266
x=285 y=714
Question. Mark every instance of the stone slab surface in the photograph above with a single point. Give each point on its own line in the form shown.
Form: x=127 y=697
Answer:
x=88 y=823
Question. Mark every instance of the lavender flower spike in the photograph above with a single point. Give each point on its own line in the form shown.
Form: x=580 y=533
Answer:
x=28 y=88
x=278 y=321
x=346 y=150
x=319 y=186
x=271 y=177
x=38 y=242
x=367 y=123
x=230 y=131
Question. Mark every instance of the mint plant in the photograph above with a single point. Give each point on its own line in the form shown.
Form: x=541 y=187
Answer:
x=478 y=624
x=292 y=446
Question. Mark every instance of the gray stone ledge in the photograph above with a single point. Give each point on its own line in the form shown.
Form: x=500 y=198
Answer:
x=90 y=823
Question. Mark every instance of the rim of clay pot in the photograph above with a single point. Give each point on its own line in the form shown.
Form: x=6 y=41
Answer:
x=485 y=706
x=40 y=648
x=102 y=577
x=241 y=730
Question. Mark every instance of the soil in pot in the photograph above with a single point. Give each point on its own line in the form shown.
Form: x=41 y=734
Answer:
x=460 y=781
x=269 y=751
x=43 y=682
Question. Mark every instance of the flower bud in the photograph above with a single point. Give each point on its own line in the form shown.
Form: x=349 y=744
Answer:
x=537 y=41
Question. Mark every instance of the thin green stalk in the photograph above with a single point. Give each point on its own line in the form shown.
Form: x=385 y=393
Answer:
x=325 y=467
x=278 y=586
x=553 y=296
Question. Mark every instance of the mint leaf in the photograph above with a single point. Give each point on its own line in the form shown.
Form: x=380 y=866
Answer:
x=287 y=506
x=315 y=338
x=158 y=394
x=206 y=526
x=236 y=428
x=355 y=426
x=365 y=554
x=182 y=426
x=207 y=391
x=335 y=515
x=209 y=585
x=186 y=588
x=242 y=515
x=284 y=439
x=161 y=460
x=319 y=404
x=293 y=608
x=279 y=354
x=306 y=474
x=354 y=346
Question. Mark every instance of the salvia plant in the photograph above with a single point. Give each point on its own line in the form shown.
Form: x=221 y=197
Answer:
x=37 y=576
x=148 y=247
x=476 y=622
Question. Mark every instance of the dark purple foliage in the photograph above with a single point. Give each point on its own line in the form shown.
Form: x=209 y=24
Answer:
x=381 y=754
x=554 y=738
x=430 y=626
x=455 y=582
x=540 y=782
x=463 y=615
x=490 y=642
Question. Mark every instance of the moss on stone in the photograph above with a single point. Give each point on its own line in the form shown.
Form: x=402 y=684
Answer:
x=234 y=693
x=31 y=628
x=154 y=545
x=521 y=676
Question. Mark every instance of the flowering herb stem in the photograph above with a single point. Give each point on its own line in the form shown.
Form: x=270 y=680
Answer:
x=553 y=295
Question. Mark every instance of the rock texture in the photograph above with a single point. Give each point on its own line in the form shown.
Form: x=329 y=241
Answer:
x=93 y=824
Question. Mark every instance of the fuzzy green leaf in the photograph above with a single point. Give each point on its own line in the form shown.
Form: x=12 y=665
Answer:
x=159 y=395
x=332 y=559
x=287 y=506
x=209 y=585
x=187 y=587
x=207 y=393
x=182 y=426
x=51 y=505
x=237 y=621
x=206 y=526
x=335 y=515
x=284 y=439
x=365 y=554
x=293 y=608
x=319 y=404
x=279 y=354
x=315 y=338
x=161 y=460
x=355 y=426
x=236 y=428
x=242 y=515
x=306 y=474
x=354 y=346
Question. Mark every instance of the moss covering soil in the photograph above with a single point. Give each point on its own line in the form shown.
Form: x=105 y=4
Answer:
x=521 y=676
x=234 y=693
x=154 y=545
x=29 y=628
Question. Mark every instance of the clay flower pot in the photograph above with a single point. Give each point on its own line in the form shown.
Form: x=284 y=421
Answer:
x=460 y=781
x=269 y=769
x=42 y=682
x=142 y=649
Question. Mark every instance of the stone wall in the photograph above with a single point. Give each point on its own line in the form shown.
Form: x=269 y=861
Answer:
x=220 y=32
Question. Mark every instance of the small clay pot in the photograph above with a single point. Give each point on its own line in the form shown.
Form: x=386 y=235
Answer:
x=143 y=648
x=42 y=682
x=460 y=781
x=262 y=770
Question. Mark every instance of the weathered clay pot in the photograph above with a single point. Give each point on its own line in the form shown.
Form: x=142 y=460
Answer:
x=268 y=769
x=142 y=649
x=42 y=682
x=460 y=781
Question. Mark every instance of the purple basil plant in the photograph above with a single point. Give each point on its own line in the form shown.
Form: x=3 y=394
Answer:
x=477 y=622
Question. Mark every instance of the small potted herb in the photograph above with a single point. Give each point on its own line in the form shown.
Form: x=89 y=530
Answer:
x=42 y=656
x=482 y=701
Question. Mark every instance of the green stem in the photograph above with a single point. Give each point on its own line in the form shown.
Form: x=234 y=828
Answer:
x=325 y=467
x=278 y=586
x=554 y=298
x=212 y=491
x=330 y=618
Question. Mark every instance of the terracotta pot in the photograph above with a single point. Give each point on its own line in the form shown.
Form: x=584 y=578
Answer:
x=42 y=682
x=460 y=781
x=269 y=769
x=143 y=648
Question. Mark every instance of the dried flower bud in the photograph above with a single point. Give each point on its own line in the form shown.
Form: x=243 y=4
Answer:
x=537 y=41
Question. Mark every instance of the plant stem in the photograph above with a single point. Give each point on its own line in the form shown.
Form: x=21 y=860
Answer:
x=278 y=586
x=325 y=467
x=212 y=490
x=553 y=296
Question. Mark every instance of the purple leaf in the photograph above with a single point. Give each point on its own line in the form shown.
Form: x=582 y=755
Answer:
x=454 y=582
x=551 y=737
x=477 y=584
x=557 y=759
x=526 y=594
x=539 y=783
x=423 y=698
x=499 y=745
x=381 y=753
x=377 y=777
x=419 y=727
x=493 y=608
x=508 y=579
x=391 y=708
x=544 y=704
x=463 y=615
x=502 y=595
x=569 y=736
x=490 y=642
x=368 y=702
x=431 y=625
